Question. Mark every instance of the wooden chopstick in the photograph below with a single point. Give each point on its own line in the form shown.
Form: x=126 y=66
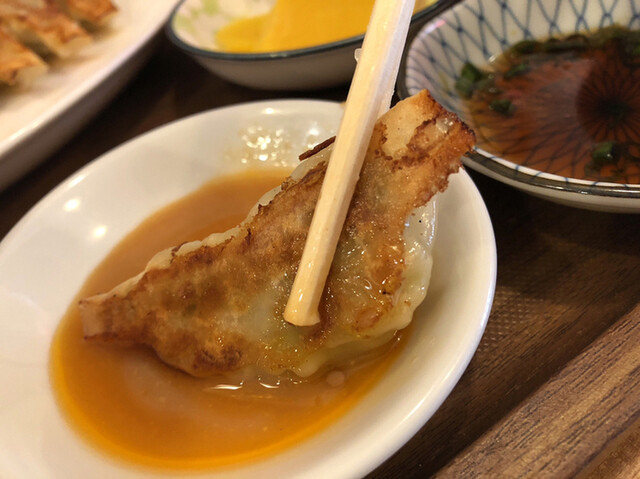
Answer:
x=369 y=97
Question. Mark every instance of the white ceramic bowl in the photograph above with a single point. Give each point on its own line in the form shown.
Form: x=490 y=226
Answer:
x=477 y=30
x=50 y=252
x=193 y=26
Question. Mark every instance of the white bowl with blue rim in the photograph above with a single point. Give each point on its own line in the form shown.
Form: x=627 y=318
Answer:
x=476 y=31
x=194 y=23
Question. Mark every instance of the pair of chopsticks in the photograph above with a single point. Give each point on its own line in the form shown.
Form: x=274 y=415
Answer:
x=369 y=97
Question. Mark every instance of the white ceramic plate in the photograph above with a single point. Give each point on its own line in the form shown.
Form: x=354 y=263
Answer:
x=36 y=119
x=47 y=256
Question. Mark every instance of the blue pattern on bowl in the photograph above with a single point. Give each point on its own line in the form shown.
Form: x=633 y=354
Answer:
x=478 y=30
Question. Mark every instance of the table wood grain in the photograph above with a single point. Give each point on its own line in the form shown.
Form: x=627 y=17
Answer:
x=553 y=389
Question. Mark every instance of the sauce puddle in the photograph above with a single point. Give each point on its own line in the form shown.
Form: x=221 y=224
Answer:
x=126 y=402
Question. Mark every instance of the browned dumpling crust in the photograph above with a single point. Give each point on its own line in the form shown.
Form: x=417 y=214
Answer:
x=93 y=12
x=216 y=306
x=41 y=24
x=18 y=64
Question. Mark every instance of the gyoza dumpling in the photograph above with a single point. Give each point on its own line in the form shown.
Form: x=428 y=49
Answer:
x=40 y=23
x=215 y=306
x=18 y=64
x=95 y=12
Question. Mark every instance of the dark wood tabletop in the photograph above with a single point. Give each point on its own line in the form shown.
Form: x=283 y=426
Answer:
x=554 y=387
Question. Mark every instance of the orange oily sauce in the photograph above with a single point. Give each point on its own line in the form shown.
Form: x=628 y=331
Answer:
x=129 y=404
x=293 y=24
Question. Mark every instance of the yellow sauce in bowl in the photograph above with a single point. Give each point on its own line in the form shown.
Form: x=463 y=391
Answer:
x=293 y=24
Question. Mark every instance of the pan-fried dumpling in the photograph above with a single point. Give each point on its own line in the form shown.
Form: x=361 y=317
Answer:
x=215 y=306
x=18 y=64
x=93 y=12
x=41 y=24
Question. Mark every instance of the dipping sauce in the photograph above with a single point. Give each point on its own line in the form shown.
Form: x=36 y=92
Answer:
x=293 y=24
x=129 y=404
x=568 y=106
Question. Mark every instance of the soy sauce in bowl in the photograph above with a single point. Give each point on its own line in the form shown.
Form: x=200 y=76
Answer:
x=568 y=106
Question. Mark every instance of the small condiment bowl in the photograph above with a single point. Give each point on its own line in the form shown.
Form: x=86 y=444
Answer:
x=447 y=326
x=477 y=31
x=193 y=25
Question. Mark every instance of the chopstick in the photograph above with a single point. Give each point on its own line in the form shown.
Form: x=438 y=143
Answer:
x=369 y=97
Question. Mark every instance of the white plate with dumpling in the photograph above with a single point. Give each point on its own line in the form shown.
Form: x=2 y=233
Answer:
x=45 y=259
x=37 y=118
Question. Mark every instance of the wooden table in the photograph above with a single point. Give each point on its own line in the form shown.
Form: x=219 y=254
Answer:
x=554 y=388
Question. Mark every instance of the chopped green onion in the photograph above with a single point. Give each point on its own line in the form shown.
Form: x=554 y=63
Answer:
x=605 y=153
x=471 y=72
x=555 y=45
x=602 y=153
x=464 y=87
x=525 y=46
x=469 y=76
x=516 y=70
x=502 y=106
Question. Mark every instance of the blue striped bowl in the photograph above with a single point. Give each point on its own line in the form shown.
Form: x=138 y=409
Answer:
x=478 y=30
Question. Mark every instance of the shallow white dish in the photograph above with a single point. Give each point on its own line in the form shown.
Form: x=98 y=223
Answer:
x=47 y=256
x=36 y=119
x=194 y=23
x=476 y=31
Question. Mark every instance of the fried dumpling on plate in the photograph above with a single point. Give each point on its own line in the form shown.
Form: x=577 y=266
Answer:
x=94 y=12
x=18 y=64
x=215 y=306
x=42 y=25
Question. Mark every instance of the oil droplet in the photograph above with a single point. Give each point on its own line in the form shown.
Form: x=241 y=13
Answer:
x=336 y=379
